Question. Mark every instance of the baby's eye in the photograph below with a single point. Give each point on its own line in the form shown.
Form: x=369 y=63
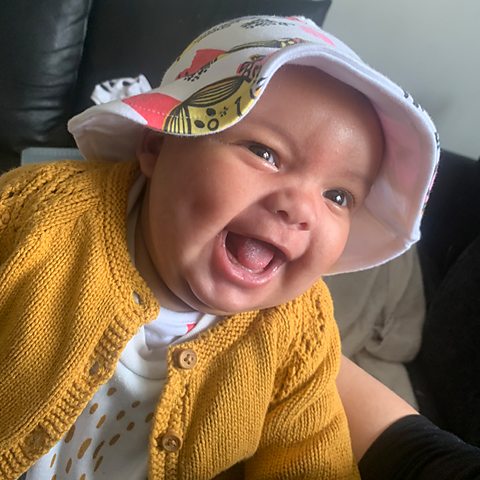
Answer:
x=264 y=153
x=340 y=197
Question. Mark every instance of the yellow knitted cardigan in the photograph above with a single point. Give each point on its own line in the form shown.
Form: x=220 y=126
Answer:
x=261 y=401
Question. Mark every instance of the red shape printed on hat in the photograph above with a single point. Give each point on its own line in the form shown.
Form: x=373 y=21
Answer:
x=316 y=33
x=153 y=107
x=202 y=57
x=312 y=31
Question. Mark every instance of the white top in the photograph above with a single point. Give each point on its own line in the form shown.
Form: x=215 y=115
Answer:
x=110 y=438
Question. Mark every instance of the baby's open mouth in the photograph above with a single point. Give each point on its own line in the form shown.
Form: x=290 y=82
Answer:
x=250 y=253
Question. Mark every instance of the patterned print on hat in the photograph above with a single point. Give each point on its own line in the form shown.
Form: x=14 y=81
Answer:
x=217 y=104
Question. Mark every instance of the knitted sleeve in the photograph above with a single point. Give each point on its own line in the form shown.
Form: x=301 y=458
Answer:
x=305 y=434
x=22 y=193
x=12 y=199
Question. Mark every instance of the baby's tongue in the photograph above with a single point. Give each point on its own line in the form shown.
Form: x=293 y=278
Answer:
x=252 y=254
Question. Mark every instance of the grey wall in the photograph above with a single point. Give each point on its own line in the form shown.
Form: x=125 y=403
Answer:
x=431 y=48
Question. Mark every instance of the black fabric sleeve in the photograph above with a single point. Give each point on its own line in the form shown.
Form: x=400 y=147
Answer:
x=413 y=448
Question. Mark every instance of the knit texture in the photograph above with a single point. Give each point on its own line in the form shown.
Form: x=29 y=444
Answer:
x=261 y=401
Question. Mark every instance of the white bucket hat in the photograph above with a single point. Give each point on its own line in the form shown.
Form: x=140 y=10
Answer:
x=222 y=74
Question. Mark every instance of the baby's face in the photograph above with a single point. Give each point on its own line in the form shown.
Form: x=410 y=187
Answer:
x=251 y=217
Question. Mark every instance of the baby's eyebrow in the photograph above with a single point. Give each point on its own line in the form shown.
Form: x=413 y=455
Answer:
x=280 y=134
x=358 y=176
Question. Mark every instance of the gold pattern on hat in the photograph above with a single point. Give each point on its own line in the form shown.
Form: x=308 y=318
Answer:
x=211 y=108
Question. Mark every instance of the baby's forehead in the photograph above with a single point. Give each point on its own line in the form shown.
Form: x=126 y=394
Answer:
x=306 y=94
x=310 y=78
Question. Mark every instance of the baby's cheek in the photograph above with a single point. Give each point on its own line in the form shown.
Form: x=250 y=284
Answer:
x=216 y=203
x=323 y=254
x=205 y=209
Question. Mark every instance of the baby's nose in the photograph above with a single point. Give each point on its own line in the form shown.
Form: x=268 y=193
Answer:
x=290 y=218
x=295 y=207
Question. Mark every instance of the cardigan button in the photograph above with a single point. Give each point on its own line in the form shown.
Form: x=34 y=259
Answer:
x=186 y=358
x=171 y=441
x=36 y=440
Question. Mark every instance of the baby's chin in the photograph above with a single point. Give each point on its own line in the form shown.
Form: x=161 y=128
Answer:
x=216 y=295
x=192 y=300
x=223 y=306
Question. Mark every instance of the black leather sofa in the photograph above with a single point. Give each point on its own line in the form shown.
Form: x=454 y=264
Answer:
x=53 y=52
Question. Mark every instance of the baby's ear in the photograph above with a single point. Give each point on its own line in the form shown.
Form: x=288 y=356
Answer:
x=148 y=151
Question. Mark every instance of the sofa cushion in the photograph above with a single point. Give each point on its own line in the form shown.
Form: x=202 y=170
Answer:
x=41 y=45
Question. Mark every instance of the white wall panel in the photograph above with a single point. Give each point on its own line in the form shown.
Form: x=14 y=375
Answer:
x=431 y=48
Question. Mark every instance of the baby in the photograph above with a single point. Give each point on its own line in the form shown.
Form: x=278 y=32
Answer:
x=163 y=315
